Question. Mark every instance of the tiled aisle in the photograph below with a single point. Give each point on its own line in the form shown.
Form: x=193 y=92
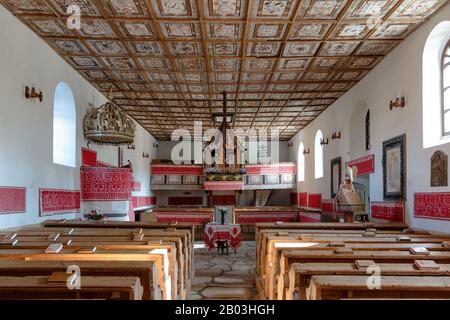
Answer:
x=224 y=277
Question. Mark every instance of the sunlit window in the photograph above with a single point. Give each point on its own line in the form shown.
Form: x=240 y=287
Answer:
x=446 y=91
x=64 y=126
x=301 y=163
x=318 y=155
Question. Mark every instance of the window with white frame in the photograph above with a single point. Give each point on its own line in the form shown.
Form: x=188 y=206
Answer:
x=318 y=155
x=445 y=87
x=64 y=126
x=436 y=86
x=301 y=163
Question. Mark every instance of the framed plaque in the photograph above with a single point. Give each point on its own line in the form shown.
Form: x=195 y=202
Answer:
x=190 y=180
x=158 y=179
x=287 y=178
x=336 y=176
x=272 y=179
x=173 y=179
x=254 y=179
x=394 y=168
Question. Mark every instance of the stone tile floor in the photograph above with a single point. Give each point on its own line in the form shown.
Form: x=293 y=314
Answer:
x=222 y=277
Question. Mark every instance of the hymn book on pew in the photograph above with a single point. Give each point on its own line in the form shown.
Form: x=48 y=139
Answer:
x=344 y=250
x=362 y=264
x=420 y=251
x=11 y=242
x=88 y=250
x=54 y=248
x=426 y=265
x=446 y=244
x=403 y=238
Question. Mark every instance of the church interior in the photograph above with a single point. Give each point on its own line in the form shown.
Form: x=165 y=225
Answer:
x=224 y=149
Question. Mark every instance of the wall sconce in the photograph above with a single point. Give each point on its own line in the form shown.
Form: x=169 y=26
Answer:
x=155 y=145
x=290 y=144
x=145 y=155
x=336 y=135
x=324 y=142
x=131 y=147
x=305 y=152
x=33 y=94
x=398 y=103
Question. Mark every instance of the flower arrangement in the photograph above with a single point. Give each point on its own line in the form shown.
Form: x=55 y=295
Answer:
x=94 y=215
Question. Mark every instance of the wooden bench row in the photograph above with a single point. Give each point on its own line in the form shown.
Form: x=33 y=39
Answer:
x=289 y=257
x=158 y=256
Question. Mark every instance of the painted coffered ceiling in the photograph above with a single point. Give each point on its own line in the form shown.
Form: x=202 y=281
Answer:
x=168 y=61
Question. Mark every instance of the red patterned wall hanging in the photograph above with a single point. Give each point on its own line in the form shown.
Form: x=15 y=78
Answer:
x=106 y=184
x=432 y=205
x=88 y=157
x=223 y=185
x=327 y=206
x=189 y=170
x=185 y=201
x=282 y=168
x=392 y=211
x=294 y=198
x=365 y=165
x=142 y=202
x=55 y=201
x=224 y=200
x=315 y=200
x=137 y=186
x=13 y=200
x=303 y=199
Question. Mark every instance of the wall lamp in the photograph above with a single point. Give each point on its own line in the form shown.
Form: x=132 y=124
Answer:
x=31 y=93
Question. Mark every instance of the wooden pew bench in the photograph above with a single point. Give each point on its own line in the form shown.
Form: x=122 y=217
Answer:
x=145 y=271
x=406 y=287
x=116 y=288
x=158 y=258
x=300 y=274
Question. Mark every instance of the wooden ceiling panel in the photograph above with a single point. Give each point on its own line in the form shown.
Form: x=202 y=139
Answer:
x=282 y=62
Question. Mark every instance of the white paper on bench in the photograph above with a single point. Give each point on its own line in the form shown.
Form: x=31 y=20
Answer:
x=168 y=283
x=295 y=245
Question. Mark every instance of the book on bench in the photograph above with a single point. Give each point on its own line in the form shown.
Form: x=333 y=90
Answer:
x=344 y=250
x=446 y=244
x=403 y=238
x=362 y=264
x=279 y=223
x=420 y=251
x=368 y=234
x=53 y=237
x=54 y=248
x=337 y=244
x=426 y=265
x=88 y=250
x=9 y=242
x=371 y=230
x=10 y=236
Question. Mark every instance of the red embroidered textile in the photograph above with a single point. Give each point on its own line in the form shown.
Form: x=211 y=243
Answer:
x=53 y=202
x=105 y=184
x=215 y=232
x=13 y=200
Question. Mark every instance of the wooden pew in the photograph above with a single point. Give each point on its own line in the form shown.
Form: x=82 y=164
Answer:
x=288 y=257
x=406 y=287
x=178 y=284
x=145 y=271
x=158 y=258
x=269 y=263
x=117 y=235
x=276 y=227
x=117 y=288
x=147 y=227
x=300 y=274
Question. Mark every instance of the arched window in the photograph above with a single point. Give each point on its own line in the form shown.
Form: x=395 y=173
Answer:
x=64 y=126
x=368 y=146
x=318 y=155
x=445 y=87
x=301 y=163
x=436 y=92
